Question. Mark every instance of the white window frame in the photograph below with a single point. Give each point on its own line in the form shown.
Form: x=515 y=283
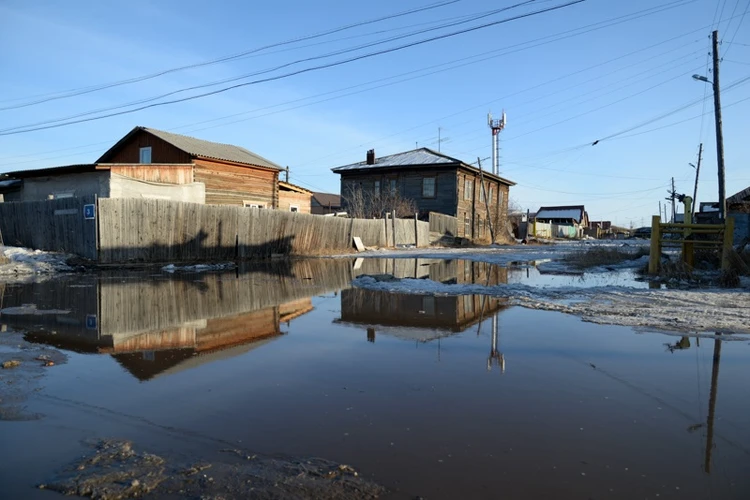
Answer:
x=143 y=152
x=393 y=185
x=294 y=208
x=253 y=204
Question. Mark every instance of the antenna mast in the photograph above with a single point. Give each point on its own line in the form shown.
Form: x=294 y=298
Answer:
x=496 y=126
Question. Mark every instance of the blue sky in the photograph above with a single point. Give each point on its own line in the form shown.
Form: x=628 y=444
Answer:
x=561 y=92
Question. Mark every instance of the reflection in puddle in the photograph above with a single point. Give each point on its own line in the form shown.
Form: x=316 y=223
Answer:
x=289 y=359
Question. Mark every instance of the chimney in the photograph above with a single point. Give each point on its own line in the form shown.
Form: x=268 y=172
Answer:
x=371 y=157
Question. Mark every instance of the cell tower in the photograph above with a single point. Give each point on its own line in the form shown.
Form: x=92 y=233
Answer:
x=496 y=126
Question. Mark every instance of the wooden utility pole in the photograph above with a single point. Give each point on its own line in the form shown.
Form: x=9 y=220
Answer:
x=719 y=132
x=712 y=404
x=672 y=195
x=697 y=173
x=486 y=200
x=659 y=208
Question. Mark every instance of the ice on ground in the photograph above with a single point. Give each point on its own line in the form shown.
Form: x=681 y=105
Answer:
x=705 y=310
x=548 y=257
x=199 y=268
x=31 y=310
x=24 y=261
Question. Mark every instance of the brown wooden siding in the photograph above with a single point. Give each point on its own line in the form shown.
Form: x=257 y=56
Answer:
x=221 y=333
x=228 y=184
x=165 y=174
x=161 y=151
x=472 y=213
x=289 y=198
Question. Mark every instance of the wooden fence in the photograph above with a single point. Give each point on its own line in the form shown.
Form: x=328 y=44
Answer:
x=443 y=224
x=53 y=225
x=119 y=230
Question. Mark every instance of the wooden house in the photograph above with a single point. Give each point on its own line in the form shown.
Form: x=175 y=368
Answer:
x=232 y=175
x=435 y=182
x=326 y=203
x=561 y=222
x=294 y=198
x=150 y=163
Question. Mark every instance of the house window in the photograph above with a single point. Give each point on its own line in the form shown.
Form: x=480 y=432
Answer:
x=500 y=199
x=393 y=186
x=253 y=204
x=146 y=155
x=293 y=208
x=491 y=194
x=377 y=186
x=468 y=188
x=428 y=187
x=467 y=226
x=481 y=192
x=481 y=227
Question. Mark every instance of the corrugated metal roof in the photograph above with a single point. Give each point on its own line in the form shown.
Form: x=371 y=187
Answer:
x=416 y=157
x=422 y=157
x=216 y=150
x=572 y=212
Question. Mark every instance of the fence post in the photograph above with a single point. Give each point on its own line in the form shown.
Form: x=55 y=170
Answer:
x=393 y=219
x=655 y=254
x=688 y=254
x=416 y=230
x=385 y=221
x=728 y=243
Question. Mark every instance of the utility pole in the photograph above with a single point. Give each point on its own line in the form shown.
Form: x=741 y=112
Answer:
x=672 y=196
x=719 y=132
x=659 y=208
x=486 y=200
x=287 y=174
x=697 y=173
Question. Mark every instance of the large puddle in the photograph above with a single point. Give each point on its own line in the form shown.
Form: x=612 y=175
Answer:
x=429 y=396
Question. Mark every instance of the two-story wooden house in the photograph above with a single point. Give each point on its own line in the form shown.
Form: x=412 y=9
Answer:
x=436 y=183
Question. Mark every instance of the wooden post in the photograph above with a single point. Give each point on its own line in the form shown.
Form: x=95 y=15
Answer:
x=688 y=254
x=655 y=255
x=385 y=220
x=416 y=230
x=728 y=243
x=393 y=219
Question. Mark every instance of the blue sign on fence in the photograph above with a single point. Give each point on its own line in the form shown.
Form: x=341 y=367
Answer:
x=91 y=321
x=89 y=211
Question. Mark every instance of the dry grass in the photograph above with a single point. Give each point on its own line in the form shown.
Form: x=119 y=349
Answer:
x=603 y=256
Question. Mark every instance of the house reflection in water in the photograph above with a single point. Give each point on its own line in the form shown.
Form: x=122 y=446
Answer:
x=165 y=324
x=423 y=317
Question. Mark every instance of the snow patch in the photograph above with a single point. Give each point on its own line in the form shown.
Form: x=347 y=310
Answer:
x=672 y=310
x=26 y=261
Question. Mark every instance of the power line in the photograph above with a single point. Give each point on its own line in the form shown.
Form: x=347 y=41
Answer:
x=744 y=13
x=543 y=40
x=19 y=130
x=94 y=88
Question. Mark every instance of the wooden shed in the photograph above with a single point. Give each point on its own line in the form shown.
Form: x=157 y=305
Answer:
x=294 y=198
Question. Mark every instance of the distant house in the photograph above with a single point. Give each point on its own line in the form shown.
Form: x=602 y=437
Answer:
x=564 y=221
x=435 y=182
x=151 y=163
x=326 y=203
x=738 y=206
x=294 y=198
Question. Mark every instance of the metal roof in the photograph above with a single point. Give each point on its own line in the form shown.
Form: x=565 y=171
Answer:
x=574 y=212
x=327 y=199
x=422 y=157
x=293 y=187
x=743 y=195
x=201 y=148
